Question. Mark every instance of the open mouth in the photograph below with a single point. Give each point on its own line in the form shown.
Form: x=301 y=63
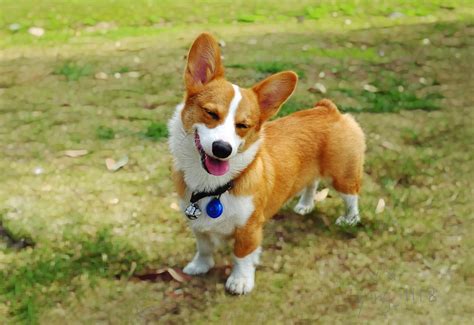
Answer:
x=212 y=165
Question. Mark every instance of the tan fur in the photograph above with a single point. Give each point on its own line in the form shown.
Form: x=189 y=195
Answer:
x=295 y=151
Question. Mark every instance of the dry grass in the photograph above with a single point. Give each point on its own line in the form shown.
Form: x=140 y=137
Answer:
x=91 y=228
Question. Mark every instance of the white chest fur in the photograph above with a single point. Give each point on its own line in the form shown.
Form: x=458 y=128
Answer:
x=237 y=210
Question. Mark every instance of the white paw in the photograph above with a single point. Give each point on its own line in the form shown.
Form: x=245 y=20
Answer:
x=239 y=285
x=348 y=220
x=303 y=209
x=199 y=265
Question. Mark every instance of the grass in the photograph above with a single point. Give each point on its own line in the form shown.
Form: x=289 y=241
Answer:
x=392 y=94
x=90 y=229
x=156 y=131
x=105 y=133
x=119 y=19
x=73 y=71
x=25 y=286
x=270 y=67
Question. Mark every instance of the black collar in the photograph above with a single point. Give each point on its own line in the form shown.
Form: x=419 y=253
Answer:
x=196 y=196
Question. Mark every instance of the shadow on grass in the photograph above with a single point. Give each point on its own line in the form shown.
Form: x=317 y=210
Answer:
x=99 y=257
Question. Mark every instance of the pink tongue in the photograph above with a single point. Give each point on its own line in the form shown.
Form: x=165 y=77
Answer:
x=216 y=167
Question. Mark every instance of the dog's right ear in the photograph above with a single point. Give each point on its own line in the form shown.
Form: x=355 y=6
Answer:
x=204 y=63
x=274 y=92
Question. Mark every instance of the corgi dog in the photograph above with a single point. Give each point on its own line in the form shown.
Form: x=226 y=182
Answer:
x=233 y=169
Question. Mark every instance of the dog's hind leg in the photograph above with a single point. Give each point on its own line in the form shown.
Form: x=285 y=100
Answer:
x=349 y=190
x=306 y=202
x=203 y=260
x=351 y=217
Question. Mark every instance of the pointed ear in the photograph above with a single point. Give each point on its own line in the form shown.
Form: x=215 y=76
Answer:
x=204 y=63
x=274 y=91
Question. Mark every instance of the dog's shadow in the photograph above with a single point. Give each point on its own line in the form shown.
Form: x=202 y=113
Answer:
x=286 y=231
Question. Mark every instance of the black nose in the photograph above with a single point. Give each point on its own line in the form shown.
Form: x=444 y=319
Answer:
x=221 y=149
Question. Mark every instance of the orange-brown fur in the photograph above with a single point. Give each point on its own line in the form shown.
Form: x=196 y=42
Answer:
x=295 y=151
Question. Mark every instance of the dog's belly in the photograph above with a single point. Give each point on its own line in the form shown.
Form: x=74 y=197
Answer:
x=237 y=210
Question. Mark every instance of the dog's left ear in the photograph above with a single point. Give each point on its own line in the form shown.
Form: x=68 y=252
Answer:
x=204 y=63
x=274 y=91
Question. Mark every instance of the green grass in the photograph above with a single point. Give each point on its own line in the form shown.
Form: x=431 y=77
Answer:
x=105 y=133
x=73 y=71
x=84 y=18
x=91 y=227
x=24 y=286
x=391 y=100
x=392 y=95
x=368 y=54
x=250 y=18
x=157 y=131
x=269 y=67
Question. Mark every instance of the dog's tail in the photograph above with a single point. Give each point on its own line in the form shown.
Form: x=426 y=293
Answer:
x=326 y=104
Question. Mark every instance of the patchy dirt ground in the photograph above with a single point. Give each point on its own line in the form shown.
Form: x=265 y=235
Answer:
x=73 y=234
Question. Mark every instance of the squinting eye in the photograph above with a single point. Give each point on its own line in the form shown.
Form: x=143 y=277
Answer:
x=213 y=115
x=241 y=126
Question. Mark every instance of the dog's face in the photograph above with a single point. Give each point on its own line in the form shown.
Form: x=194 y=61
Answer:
x=224 y=118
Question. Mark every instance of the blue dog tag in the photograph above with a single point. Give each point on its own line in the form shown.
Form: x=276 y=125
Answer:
x=214 y=208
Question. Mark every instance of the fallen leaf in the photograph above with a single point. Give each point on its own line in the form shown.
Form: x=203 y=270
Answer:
x=389 y=146
x=113 y=165
x=370 y=88
x=76 y=153
x=36 y=31
x=318 y=88
x=15 y=27
x=321 y=195
x=110 y=163
x=165 y=274
x=101 y=76
x=178 y=275
x=114 y=201
x=38 y=170
x=174 y=206
x=133 y=74
x=380 y=206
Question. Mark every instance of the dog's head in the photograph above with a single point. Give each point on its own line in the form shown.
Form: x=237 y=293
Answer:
x=224 y=118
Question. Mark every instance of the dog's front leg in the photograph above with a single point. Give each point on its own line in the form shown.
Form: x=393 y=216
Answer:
x=246 y=257
x=203 y=260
